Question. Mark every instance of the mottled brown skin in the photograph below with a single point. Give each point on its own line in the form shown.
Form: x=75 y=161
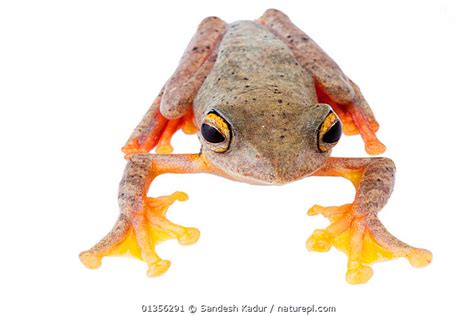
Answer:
x=195 y=64
x=333 y=86
x=311 y=56
x=147 y=133
x=269 y=100
x=262 y=78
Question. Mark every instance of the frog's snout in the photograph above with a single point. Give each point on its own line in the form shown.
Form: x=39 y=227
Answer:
x=293 y=167
x=282 y=174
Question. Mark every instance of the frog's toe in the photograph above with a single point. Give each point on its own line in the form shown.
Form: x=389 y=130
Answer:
x=166 y=228
x=158 y=268
x=189 y=236
x=111 y=244
x=165 y=148
x=419 y=257
x=364 y=239
x=319 y=241
x=358 y=274
x=90 y=260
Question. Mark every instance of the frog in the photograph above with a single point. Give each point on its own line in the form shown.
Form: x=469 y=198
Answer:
x=268 y=106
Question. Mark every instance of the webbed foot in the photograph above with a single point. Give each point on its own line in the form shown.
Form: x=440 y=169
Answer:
x=138 y=233
x=364 y=239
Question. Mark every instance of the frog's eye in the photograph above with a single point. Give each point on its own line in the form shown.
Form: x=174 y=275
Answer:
x=216 y=132
x=329 y=132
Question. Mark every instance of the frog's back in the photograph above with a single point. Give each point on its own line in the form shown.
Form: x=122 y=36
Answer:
x=253 y=62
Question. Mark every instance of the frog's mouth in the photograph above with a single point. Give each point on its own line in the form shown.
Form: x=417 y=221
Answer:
x=244 y=174
x=255 y=170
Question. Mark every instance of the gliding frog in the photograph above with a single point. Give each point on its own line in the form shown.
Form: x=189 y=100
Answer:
x=268 y=105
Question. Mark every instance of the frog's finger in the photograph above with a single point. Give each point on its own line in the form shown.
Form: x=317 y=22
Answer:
x=360 y=102
x=164 y=144
x=373 y=145
x=323 y=239
x=148 y=132
x=330 y=212
x=162 y=228
x=155 y=130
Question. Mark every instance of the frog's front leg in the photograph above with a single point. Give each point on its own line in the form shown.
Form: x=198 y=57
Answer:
x=142 y=222
x=355 y=228
x=332 y=85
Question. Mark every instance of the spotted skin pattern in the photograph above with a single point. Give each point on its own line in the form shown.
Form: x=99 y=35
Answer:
x=276 y=99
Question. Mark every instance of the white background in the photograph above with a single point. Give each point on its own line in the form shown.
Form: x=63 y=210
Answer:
x=75 y=79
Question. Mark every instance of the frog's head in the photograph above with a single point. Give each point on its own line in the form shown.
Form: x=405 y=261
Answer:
x=275 y=144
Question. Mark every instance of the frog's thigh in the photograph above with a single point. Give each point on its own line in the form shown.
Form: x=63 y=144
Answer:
x=196 y=62
x=311 y=56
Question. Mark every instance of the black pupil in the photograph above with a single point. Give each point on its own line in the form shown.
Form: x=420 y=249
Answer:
x=211 y=134
x=334 y=133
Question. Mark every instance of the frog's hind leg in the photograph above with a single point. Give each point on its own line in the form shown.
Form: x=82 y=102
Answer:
x=355 y=228
x=142 y=222
x=172 y=109
x=332 y=85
